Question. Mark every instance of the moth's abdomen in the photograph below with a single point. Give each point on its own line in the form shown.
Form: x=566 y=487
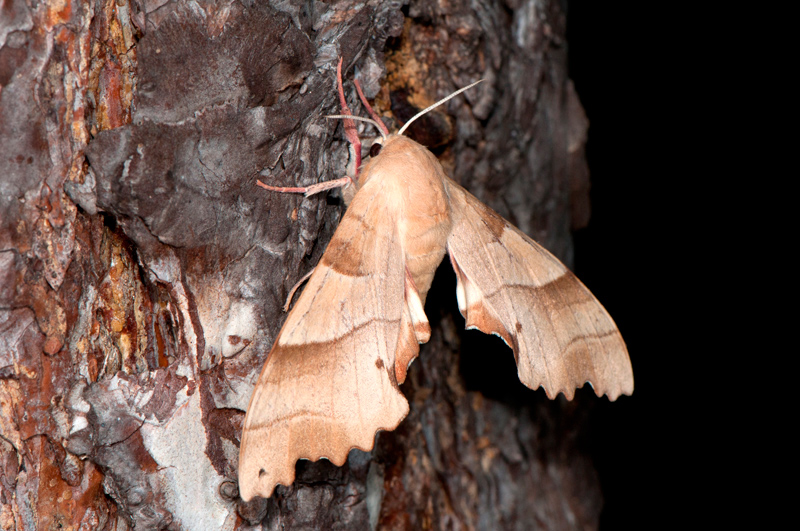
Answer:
x=416 y=180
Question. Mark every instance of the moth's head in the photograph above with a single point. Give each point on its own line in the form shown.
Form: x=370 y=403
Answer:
x=390 y=146
x=388 y=150
x=389 y=143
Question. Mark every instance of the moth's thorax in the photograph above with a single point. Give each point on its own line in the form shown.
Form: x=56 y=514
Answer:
x=415 y=179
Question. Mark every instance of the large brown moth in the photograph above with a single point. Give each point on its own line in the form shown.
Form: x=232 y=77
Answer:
x=331 y=380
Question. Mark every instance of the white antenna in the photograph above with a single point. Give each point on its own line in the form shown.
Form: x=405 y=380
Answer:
x=453 y=95
x=360 y=119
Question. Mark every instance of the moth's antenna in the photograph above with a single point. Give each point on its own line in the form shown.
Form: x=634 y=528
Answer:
x=360 y=119
x=448 y=98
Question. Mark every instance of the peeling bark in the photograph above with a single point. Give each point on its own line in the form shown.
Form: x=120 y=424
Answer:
x=142 y=272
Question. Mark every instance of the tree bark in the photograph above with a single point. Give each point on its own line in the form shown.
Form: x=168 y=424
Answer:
x=142 y=272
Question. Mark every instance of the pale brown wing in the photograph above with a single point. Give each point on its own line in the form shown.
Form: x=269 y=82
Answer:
x=510 y=286
x=330 y=381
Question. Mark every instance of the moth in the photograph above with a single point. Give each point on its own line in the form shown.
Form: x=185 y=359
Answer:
x=331 y=380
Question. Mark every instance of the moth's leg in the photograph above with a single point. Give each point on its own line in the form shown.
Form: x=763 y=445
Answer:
x=349 y=125
x=311 y=189
x=295 y=288
x=367 y=106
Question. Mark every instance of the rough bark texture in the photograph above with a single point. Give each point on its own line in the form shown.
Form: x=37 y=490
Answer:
x=142 y=272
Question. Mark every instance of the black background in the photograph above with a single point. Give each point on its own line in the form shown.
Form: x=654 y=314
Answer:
x=625 y=69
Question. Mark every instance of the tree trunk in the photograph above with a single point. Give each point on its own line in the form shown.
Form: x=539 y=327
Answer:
x=142 y=272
